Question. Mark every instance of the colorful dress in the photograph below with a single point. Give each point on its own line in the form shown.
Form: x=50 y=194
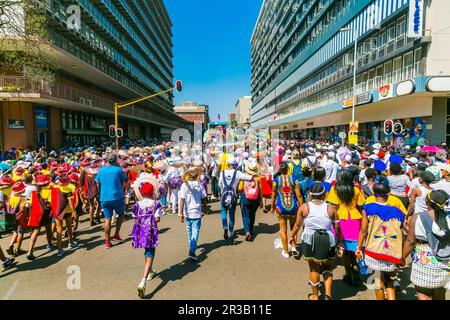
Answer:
x=286 y=201
x=349 y=217
x=384 y=236
x=145 y=229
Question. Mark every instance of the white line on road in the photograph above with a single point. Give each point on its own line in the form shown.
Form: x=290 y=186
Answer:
x=11 y=290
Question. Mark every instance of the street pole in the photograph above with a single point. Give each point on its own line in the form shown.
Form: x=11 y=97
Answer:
x=116 y=123
x=354 y=73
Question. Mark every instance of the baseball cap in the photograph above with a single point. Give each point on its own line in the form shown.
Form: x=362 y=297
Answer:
x=413 y=160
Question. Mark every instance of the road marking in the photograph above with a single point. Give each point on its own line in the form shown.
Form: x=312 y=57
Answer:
x=11 y=290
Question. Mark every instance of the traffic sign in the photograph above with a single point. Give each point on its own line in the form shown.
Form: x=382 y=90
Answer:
x=353 y=139
x=354 y=126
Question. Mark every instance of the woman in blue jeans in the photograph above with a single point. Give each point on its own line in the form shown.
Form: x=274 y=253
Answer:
x=251 y=199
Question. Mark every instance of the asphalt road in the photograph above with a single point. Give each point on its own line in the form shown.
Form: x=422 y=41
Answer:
x=227 y=269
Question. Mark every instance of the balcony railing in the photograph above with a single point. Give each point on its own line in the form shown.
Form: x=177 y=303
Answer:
x=20 y=84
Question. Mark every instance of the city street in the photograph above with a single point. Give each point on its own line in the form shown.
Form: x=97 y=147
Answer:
x=226 y=270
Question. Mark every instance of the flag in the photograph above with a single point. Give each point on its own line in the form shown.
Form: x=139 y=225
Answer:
x=218 y=116
x=39 y=211
x=59 y=203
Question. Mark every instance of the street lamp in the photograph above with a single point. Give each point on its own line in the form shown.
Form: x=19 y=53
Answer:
x=355 y=34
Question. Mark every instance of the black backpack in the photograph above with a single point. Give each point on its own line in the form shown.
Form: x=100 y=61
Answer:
x=228 y=198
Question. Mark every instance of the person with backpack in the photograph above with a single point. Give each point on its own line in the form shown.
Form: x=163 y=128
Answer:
x=296 y=166
x=318 y=240
x=228 y=182
x=429 y=240
x=286 y=200
x=251 y=199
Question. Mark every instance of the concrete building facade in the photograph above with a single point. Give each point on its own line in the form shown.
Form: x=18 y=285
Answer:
x=243 y=106
x=192 y=112
x=121 y=51
x=303 y=64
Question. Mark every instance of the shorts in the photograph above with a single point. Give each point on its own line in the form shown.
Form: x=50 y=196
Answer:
x=149 y=253
x=110 y=206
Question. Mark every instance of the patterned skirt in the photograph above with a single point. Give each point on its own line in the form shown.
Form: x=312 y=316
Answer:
x=427 y=271
x=379 y=265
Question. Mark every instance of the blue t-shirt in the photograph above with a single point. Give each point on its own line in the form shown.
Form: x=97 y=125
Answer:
x=111 y=179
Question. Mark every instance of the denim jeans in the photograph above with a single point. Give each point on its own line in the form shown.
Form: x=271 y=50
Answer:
x=223 y=215
x=248 y=209
x=214 y=187
x=193 y=231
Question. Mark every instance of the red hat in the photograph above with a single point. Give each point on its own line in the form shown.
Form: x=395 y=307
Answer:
x=19 y=171
x=63 y=179
x=74 y=177
x=147 y=190
x=42 y=180
x=85 y=163
x=18 y=187
x=6 y=180
x=381 y=154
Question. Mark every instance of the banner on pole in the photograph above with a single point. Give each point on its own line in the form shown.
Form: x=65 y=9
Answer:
x=415 y=18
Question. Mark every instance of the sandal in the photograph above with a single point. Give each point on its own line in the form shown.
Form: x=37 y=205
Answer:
x=312 y=295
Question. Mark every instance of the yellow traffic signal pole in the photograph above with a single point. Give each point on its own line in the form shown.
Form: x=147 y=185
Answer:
x=117 y=107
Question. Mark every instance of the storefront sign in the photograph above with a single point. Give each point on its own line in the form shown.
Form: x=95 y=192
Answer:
x=406 y=87
x=360 y=99
x=438 y=84
x=16 y=124
x=415 y=18
x=386 y=92
x=309 y=124
x=9 y=89
x=354 y=125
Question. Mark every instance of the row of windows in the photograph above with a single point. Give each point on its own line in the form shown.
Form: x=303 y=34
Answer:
x=376 y=43
x=99 y=64
x=286 y=54
x=402 y=68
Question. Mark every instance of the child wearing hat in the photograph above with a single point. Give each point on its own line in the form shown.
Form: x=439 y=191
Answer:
x=5 y=190
x=17 y=205
x=147 y=212
x=192 y=201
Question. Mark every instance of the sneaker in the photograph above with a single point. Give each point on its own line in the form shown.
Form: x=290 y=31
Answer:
x=231 y=235
x=10 y=251
x=19 y=252
x=117 y=238
x=225 y=234
x=72 y=245
x=50 y=247
x=107 y=244
x=31 y=257
x=7 y=263
x=193 y=257
x=60 y=253
x=285 y=254
x=141 y=288
x=294 y=251
x=151 y=275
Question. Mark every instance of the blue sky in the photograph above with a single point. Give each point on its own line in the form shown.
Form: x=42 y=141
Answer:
x=212 y=50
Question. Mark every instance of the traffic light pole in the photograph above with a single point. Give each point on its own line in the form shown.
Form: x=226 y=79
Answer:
x=117 y=107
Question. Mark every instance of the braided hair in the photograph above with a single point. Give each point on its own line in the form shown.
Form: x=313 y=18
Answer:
x=345 y=188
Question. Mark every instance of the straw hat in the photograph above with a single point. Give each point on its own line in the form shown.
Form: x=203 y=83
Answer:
x=161 y=165
x=6 y=180
x=252 y=169
x=193 y=173
x=18 y=187
x=42 y=180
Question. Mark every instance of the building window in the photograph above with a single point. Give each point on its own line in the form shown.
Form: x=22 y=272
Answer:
x=401 y=26
x=391 y=32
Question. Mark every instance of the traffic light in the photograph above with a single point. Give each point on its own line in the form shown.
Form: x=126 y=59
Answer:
x=388 y=126
x=179 y=86
x=398 y=128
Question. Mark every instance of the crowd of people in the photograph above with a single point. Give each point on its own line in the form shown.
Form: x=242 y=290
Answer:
x=371 y=206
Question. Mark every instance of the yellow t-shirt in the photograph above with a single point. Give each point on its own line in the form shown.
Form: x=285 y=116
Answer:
x=70 y=188
x=14 y=200
x=46 y=172
x=391 y=201
x=45 y=193
x=291 y=166
x=6 y=191
x=16 y=177
x=223 y=161
x=343 y=209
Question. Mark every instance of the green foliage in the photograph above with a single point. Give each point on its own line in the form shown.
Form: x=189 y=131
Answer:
x=23 y=28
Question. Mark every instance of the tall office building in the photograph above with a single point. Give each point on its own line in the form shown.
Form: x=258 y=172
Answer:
x=243 y=110
x=113 y=51
x=303 y=58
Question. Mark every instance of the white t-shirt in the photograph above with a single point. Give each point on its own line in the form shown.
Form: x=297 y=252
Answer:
x=192 y=192
x=229 y=176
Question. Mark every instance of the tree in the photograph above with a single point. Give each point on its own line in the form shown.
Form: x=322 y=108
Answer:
x=22 y=31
